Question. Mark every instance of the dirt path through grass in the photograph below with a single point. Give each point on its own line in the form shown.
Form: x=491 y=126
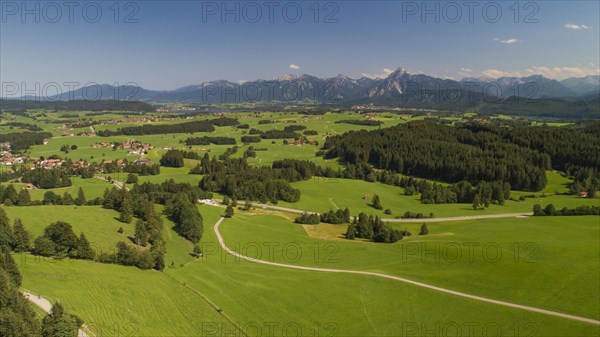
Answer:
x=396 y=278
x=45 y=305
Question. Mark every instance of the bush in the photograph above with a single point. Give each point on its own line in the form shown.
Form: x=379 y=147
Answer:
x=308 y=219
x=132 y=178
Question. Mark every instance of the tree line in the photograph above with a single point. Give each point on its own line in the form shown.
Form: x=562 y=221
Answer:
x=20 y=141
x=186 y=127
x=332 y=217
x=156 y=129
x=359 y=122
x=46 y=179
x=77 y=105
x=235 y=177
x=148 y=230
x=431 y=192
x=550 y=210
x=446 y=153
x=373 y=229
x=210 y=140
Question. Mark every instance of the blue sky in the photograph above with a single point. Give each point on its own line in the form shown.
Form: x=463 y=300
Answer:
x=175 y=43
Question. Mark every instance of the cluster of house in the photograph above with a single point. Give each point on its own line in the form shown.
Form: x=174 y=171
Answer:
x=118 y=162
x=129 y=120
x=303 y=140
x=135 y=147
x=64 y=127
x=7 y=158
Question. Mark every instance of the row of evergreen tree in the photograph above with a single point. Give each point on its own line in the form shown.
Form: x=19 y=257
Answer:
x=47 y=178
x=206 y=140
x=20 y=141
x=148 y=229
x=446 y=153
x=158 y=129
x=10 y=197
x=235 y=177
x=332 y=217
x=550 y=210
x=147 y=169
x=373 y=229
x=186 y=127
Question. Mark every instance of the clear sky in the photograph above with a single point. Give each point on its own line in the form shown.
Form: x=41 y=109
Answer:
x=169 y=44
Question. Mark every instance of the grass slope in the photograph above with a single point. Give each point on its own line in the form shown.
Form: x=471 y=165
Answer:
x=531 y=252
x=120 y=301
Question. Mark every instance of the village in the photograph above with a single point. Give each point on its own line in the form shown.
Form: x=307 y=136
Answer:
x=135 y=147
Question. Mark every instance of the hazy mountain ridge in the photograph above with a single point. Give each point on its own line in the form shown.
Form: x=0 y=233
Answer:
x=399 y=86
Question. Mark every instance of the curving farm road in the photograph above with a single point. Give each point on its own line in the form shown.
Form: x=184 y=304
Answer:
x=396 y=278
x=46 y=306
x=428 y=220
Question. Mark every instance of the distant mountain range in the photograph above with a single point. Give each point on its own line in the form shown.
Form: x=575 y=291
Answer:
x=399 y=87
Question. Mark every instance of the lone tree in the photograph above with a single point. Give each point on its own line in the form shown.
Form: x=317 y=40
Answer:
x=141 y=234
x=80 y=197
x=229 y=212
x=591 y=192
x=24 y=198
x=21 y=239
x=67 y=199
x=226 y=200
x=424 y=230
x=351 y=232
x=132 y=178
x=126 y=210
x=197 y=251
x=59 y=323
x=537 y=210
x=5 y=230
x=550 y=210
x=377 y=202
x=84 y=249
x=476 y=202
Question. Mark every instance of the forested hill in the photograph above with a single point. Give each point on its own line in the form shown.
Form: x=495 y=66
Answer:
x=76 y=105
x=473 y=152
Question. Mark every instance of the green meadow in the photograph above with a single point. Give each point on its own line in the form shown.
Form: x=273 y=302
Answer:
x=120 y=301
x=551 y=263
x=322 y=194
x=503 y=259
x=255 y=295
x=99 y=225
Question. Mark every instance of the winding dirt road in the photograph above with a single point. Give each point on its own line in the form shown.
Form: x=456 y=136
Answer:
x=45 y=305
x=428 y=220
x=396 y=278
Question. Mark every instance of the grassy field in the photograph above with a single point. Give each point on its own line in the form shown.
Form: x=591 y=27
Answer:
x=547 y=262
x=370 y=306
x=324 y=125
x=120 y=301
x=98 y=224
x=530 y=254
x=257 y=295
x=323 y=194
x=556 y=183
x=93 y=188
